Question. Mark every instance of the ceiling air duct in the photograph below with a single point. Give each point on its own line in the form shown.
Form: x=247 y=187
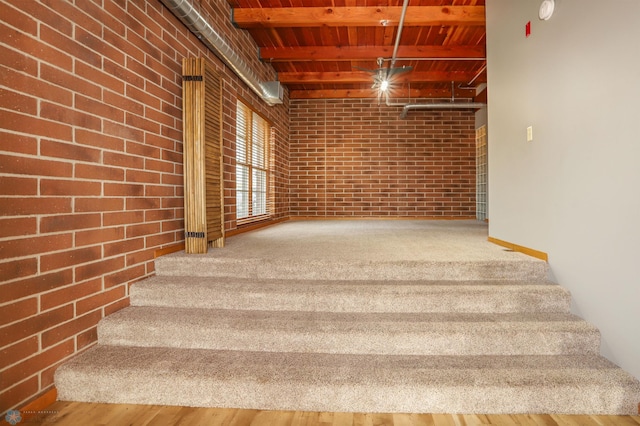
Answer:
x=432 y=105
x=440 y=105
x=271 y=92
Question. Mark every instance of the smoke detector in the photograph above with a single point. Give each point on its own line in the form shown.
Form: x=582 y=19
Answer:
x=546 y=9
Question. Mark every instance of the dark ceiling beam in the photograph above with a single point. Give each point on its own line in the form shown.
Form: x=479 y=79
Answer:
x=372 y=93
x=357 y=16
x=357 y=53
x=347 y=77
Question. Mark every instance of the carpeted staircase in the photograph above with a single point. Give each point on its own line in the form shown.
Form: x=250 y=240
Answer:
x=448 y=336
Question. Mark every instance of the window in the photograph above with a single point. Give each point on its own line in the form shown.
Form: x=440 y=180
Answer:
x=481 y=173
x=253 y=134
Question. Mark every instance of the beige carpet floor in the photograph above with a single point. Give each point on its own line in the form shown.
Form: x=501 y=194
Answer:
x=352 y=316
x=360 y=250
x=370 y=240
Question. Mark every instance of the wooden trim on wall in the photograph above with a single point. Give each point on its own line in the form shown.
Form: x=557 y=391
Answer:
x=180 y=246
x=169 y=249
x=254 y=226
x=528 y=251
x=39 y=404
x=382 y=218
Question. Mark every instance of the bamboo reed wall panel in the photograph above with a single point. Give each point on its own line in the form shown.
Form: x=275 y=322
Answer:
x=213 y=158
x=202 y=137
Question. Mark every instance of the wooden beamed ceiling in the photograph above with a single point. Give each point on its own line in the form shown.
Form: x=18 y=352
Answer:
x=362 y=16
x=321 y=49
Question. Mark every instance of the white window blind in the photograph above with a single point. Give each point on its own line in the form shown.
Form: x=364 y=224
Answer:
x=481 y=173
x=252 y=164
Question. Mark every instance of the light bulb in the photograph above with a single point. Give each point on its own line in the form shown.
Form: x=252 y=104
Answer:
x=384 y=85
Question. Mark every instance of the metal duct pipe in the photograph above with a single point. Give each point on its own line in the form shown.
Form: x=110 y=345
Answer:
x=189 y=16
x=440 y=105
x=478 y=74
x=433 y=105
x=399 y=34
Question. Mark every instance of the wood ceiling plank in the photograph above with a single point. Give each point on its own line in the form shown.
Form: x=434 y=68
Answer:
x=315 y=45
x=372 y=93
x=355 y=53
x=357 y=16
x=365 y=77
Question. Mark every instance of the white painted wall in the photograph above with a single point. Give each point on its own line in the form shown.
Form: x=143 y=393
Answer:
x=574 y=192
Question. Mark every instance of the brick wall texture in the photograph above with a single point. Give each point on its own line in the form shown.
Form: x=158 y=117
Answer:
x=91 y=178
x=91 y=182
x=357 y=158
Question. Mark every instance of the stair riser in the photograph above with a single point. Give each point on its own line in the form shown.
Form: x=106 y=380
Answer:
x=360 y=383
x=378 y=398
x=472 y=342
x=253 y=334
x=450 y=301
x=318 y=270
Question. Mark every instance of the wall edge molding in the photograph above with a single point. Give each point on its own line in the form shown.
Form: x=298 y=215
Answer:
x=41 y=402
x=453 y=218
x=520 y=249
x=168 y=250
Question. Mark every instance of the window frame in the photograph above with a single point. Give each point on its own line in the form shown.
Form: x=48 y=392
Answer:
x=251 y=116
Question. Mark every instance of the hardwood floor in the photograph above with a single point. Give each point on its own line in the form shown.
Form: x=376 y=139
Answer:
x=75 y=413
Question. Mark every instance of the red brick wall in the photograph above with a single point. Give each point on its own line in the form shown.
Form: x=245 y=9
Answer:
x=91 y=167
x=355 y=158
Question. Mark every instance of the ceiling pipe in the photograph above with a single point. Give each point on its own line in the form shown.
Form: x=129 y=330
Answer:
x=437 y=59
x=477 y=75
x=399 y=34
x=270 y=92
x=441 y=105
x=433 y=105
x=469 y=84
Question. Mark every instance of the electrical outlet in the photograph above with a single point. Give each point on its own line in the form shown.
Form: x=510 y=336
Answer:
x=529 y=133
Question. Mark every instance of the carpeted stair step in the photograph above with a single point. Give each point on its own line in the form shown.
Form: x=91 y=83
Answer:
x=362 y=383
x=179 y=264
x=351 y=333
x=351 y=296
x=352 y=316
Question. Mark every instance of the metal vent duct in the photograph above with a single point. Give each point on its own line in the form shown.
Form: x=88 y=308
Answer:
x=270 y=92
x=440 y=105
x=433 y=105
